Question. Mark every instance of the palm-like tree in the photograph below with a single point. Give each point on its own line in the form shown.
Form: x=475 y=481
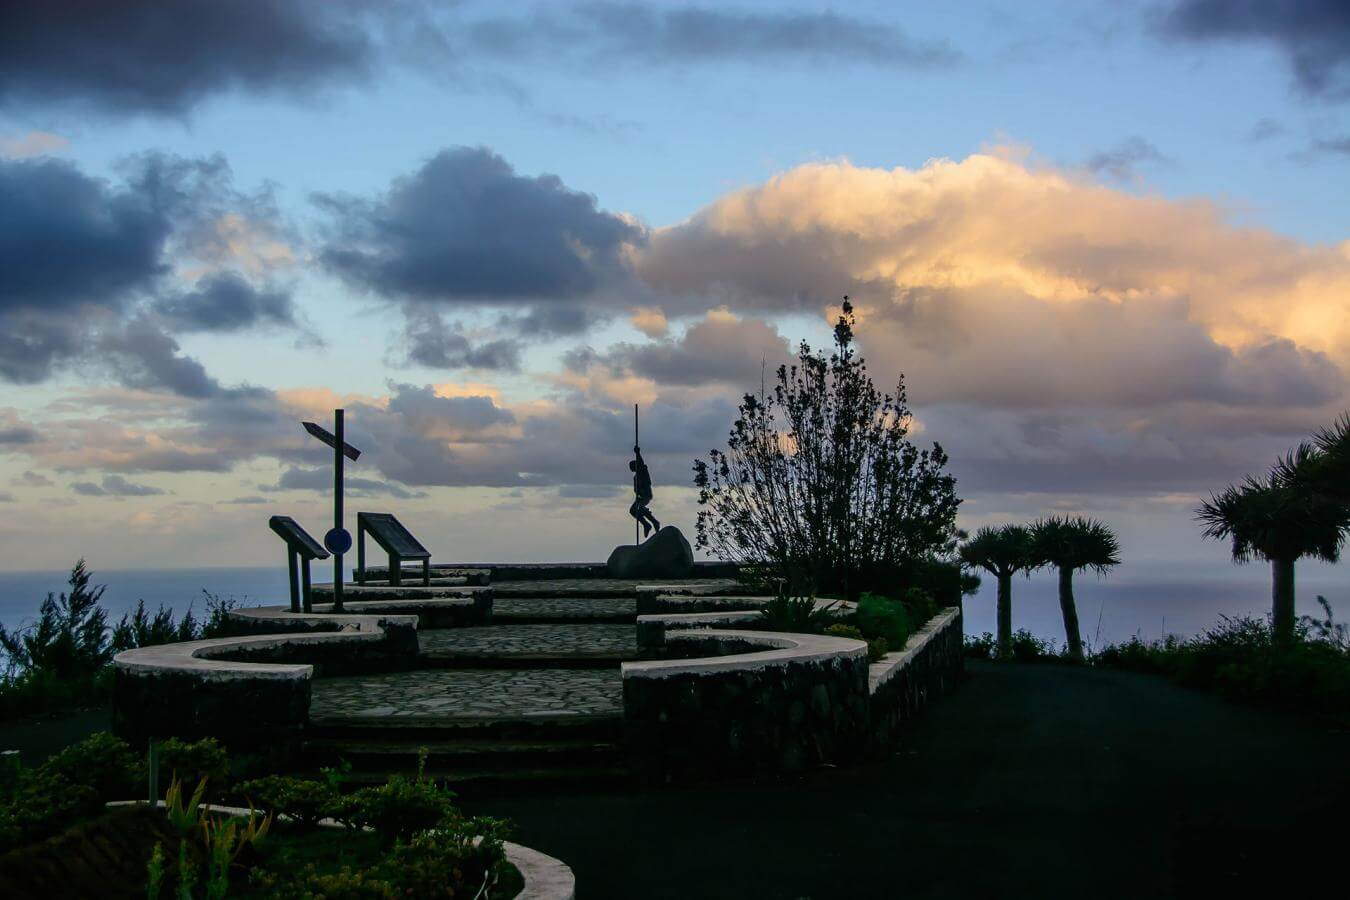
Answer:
x=1070 y=544
x=1281 y=520
x=1320 y=466
x=1003 y=552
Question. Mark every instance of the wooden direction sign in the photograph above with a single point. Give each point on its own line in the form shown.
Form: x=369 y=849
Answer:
x=331 y=440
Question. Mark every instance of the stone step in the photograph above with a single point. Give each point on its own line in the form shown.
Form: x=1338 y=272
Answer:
x=470 y=782
x=525 y=645
x=564 y=610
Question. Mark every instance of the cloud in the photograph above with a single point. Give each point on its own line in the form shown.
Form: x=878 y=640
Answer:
x=145 y=357
x=1265 y=129
x=161 y=58
x=1122 y=161
x=15 y=431
x=29 y=478
x=1314 y=35
x=429 y=341
x=721 y=347
x=82 y=257
x=32 y=143
x=225 y=302
x=114 y=486
x=465 y=227
x=613 y=34
x=322 y=480
x=6 y=497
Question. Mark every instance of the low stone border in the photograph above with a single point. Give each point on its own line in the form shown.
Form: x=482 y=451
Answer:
x=760 y=702
x=251 y=690
x=435 y=607
x=903 y=682
x=726 y=612
x=544 y=877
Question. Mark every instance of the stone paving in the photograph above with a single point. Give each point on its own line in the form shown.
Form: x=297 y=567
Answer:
x=470 y=693
x=564 y=607
x=580 y=640
x=603 y=587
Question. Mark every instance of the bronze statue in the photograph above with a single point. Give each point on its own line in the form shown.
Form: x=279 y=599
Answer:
x=642 y=488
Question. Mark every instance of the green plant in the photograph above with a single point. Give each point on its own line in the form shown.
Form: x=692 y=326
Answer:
x=876 y=648
x=820 y=483
x=70 y=638
x=309 y=883
x=920 y=606
x=464 y=851
x=301 y=800
x=187 y=872
x=154 y=873
x=194 y=760
x=401 y=805
x=795 y=614
x=883 y=617
x=102 y=762
x=184 y=815
x=224 y=840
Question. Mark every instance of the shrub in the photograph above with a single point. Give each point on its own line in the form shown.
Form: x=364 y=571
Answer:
x=194 y=760
x=882 y=617
x=400 y=806
x=467 y=852
x=920 y=605
x=876 y=648
x=302 y=801
x=983 y=646
x=101 y=762
x=309 y=883
x=1026 y=647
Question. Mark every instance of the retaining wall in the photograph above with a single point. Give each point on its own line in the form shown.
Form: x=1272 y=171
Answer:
x=904 y=682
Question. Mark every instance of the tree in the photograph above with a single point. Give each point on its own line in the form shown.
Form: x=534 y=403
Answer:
x=1279 y=520
x=1070 y=544
x=1320 y=466
x=1003 y=552
x=70 y=639
x=820 y=484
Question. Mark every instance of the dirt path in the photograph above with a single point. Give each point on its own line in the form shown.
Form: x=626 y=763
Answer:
x=1030 y=781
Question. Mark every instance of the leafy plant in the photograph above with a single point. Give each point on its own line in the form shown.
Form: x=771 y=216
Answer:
x=820 y=484
x=795 y=614
x=883 y=617
x=876 y=648
x=102 y=762
x=224 y=840
x=400 y=806
x=187 y=872
x=70 y=638
x=184 y=815
x=154 y=873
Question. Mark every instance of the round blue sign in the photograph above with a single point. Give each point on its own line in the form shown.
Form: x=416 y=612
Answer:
x=338 y=541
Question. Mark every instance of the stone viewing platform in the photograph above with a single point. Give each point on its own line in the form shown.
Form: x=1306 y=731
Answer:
x=525 y=674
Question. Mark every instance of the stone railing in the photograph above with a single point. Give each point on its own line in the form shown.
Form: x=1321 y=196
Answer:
x=752 y=701
x=903 y=682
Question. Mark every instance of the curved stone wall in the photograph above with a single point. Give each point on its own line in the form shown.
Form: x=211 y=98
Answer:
x=752 y=702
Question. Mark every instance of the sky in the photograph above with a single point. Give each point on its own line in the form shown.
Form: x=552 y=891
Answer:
x=1107 y=246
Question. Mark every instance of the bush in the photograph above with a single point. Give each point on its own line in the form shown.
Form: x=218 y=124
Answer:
x=399 y=807
x=1026 y=647
x=882 y=617
x=795 y=614
x=302 y=801
x=102 y=762
x=876 y=648
x=920 y=606
x=74 y=783
x=467 y=852
x=192 y=761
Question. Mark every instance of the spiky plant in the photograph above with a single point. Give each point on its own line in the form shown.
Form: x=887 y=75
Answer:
x=1070 y=544
x=1003 y=552
x=1321 y=465
x=1278 y=519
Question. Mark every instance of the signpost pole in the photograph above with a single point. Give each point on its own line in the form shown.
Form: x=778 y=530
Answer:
x=636 y=540
x=337 y=506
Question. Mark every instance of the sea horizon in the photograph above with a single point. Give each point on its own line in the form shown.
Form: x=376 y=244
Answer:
x=1144 y=598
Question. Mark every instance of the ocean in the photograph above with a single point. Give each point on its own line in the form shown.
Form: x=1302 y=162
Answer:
x=1148 y=599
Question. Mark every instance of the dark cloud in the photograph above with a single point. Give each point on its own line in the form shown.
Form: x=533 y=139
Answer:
x=30 y=478
x=82 y=255
x=1313 y=34
x=322 y=480
x=114 y=486
x=145 y=357
x=429 y=341
x=1264 y=130
x=613 y=34
x=13 y=434
x=1122 y=161
x=553 y=320
x=1339 y=146
x=226 y=302
x=251 y=500
x=164 y=57
x=67 y=239
x=6 y=497
x=466 y=227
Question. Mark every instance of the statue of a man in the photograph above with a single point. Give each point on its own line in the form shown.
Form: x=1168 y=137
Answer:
x=642 y=487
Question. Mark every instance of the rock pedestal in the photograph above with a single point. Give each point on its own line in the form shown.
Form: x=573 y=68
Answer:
x=666 y=554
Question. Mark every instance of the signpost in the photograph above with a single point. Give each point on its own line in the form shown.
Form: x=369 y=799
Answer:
x=338 y=540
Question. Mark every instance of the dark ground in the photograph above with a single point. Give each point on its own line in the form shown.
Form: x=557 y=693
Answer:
x=1029 y=781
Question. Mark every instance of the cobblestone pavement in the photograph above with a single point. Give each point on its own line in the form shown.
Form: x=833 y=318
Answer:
x=532 y=640
x=470 y=693
x=563 y=607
